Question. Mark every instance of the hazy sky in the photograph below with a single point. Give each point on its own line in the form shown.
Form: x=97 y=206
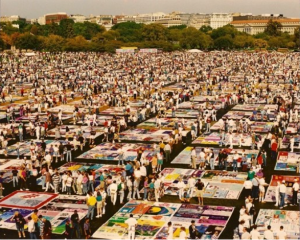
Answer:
x=37 y=8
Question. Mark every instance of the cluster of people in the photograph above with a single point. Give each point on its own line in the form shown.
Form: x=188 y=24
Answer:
x=137 y=87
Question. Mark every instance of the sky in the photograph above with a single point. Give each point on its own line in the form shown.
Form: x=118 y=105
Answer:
x=37 y=8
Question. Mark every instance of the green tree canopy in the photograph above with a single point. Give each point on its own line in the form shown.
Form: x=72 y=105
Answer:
x=28 y=41
x=154 y=32
x=273 y=28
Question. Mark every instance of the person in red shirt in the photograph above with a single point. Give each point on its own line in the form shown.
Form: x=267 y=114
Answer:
x=274 y=147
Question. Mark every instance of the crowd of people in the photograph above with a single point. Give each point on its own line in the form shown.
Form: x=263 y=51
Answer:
x=34 y=91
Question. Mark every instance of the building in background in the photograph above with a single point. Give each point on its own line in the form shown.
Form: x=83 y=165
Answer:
x=218 y=20
x=258 y=26
x=12 y=18
x=78 y=18
x=52 y=18
x=196 y=20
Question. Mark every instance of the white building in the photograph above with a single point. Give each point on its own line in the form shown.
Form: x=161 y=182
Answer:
x=220 y=19
x=258 y=26
x=78 y=18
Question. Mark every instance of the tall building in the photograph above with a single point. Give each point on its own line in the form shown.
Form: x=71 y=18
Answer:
x=220 y=19
x=258 y=26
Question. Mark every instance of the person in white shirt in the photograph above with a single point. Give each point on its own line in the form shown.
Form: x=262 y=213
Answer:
x=79 y=183
x=170 y=231
x=182 y=235
x=254 y=234
x=193 y=158
x=277 y=197
x=236 y=156
x=282 y=193
x=295 y=192
x=268 y=234
x=156 y=189
x=31 y=228
x=262 y=185
x=113 y=192
x=136 y=191
x=132 y=223
x=180 y=186
x=281 y=234
x=245 y=234
x=191 y=186
x=143 y=170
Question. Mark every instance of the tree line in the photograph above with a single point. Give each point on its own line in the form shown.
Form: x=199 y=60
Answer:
x=87 y=36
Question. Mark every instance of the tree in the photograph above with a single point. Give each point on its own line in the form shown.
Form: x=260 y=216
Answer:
x=129 y=31
x=154 y=32
x=87 y=29
x=260 y=43
x=227 y=30
x=111 y=35
x=53 y=43
x=174 y=34
x=224 y=42
x=243 y=40
x=274 y=42
x=193 y=38
x=76 y=44
x=28 y=41
x=273 y=28
x=180 y=27
x=297 y=36
x=206 y=28
x=66 y=28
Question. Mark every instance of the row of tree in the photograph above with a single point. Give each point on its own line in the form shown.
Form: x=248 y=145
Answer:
x=70 y=36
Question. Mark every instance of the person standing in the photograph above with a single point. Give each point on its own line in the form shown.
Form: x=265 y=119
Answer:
x=167 y=150
x=1 y=185
x=113 y=192
x=193 y=158
x=31 y=228
x=170 y=231
x=199 y=191
x=295 y=192
x=99 y=204
x=47 y=230
x=75 y=224
x=87 y=229
x=282 y=193
x=180 y=186
x=236 y=157
x=68 y=229
x=20 y=222
x=132 y=223
x=91 y=202
x=192 y=230
x=255 y=188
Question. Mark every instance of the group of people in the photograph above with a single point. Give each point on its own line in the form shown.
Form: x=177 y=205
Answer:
x=138 y=87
